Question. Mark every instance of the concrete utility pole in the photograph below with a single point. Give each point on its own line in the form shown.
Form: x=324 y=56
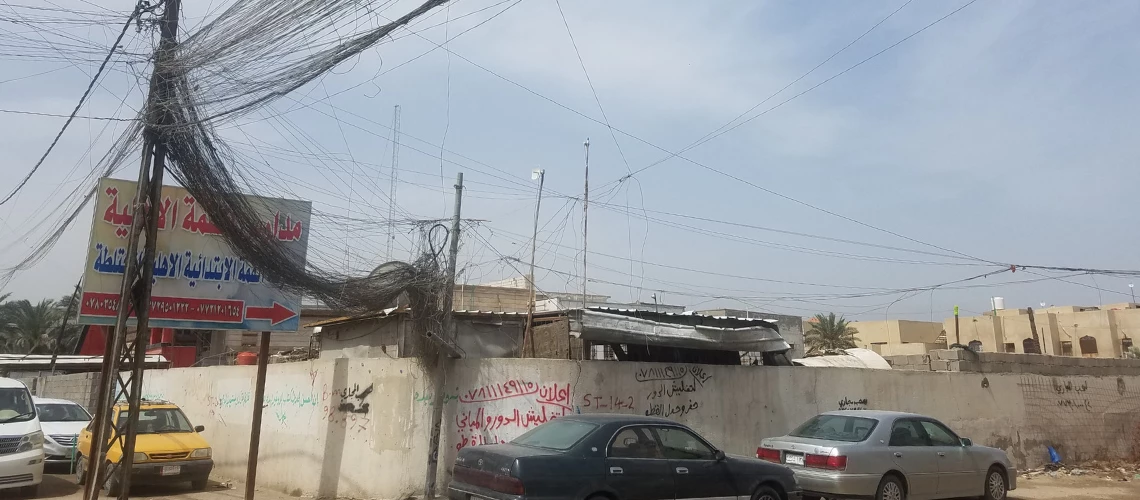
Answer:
x=134 y=295
x=528 y=333
x=443 y=361
x=957 y=334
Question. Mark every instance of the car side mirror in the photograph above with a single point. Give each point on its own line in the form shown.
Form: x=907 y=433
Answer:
x=199 y=428
x=719 y=456
x=967 y=442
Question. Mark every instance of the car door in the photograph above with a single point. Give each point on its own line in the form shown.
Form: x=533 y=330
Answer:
x=957 y=473
x=696 y=471
x=910 y=448
x=635 y=467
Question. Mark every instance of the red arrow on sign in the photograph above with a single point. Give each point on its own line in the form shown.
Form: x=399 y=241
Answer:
x=275 y=314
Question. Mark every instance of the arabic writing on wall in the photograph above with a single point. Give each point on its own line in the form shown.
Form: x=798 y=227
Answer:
x=501 y=411
x=853 y=404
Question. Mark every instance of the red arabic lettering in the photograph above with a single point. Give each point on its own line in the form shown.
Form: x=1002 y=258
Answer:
x=201 y=223
x=480 y=420
x=167 y=212
x=284 y=230
x=113 y=216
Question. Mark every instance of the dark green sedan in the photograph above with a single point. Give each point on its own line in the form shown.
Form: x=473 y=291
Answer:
x=614 y=457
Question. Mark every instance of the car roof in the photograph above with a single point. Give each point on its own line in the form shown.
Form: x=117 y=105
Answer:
x=52 y=401
x=875 y=414
x=617 y=418
x=147 y=404
x=11 y=383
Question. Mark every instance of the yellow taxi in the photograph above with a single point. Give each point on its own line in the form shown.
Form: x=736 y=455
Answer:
x=167 y=448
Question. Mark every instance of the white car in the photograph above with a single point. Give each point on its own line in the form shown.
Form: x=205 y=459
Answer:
x=61 y=421
x=21 y=440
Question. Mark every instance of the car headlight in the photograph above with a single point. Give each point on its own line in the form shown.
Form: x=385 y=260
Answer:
x=29 y=442
x=201 y=453
x=140 y=457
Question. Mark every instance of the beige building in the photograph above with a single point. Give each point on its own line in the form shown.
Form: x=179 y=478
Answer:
x=896 y=337
x=1096 y=332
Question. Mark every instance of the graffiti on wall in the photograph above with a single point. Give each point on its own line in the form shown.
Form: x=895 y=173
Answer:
x=500 y=411
x=852 y=404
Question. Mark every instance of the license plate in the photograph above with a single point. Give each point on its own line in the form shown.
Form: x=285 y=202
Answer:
x=793 y=459
x=171 y=470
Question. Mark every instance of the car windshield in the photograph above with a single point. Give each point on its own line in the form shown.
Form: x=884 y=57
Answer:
x=836 y=428
x=62 y=412
x=157 y=421
x=560 y=434
x=16 y=405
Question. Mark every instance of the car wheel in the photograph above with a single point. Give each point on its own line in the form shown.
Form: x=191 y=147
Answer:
x=199 y=484
x=766 y=493
x=81 y=470
x=891 y=488
x=995 y=484
x=113 y=485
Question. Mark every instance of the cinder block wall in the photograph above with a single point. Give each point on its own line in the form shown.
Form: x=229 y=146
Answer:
x=81 y=388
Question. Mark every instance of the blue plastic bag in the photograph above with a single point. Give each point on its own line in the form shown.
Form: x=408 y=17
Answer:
x=1054 y=456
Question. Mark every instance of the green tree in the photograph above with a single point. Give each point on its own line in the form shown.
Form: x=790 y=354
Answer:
x=27 y=328
x=829 y=335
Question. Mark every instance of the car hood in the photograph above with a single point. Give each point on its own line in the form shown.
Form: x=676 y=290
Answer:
x=169 y=442
x=63 y=428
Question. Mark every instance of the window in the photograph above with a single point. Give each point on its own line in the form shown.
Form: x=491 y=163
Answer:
x=1010 y=347
x=908 y=433
x=680 y=444
x=1031 y=346
x=1125 y=343
x=635 y=442
x=1088 y=346
x=1066 y=348
x=157 y=421
x=561 y=434
x=55 y=412
x=940 y=435
x=16 y=405
x=836 y=428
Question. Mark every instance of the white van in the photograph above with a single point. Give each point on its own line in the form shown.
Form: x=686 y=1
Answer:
x=21 y=439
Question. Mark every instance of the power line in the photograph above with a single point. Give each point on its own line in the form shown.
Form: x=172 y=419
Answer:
x=56 y=115
x=75 y=111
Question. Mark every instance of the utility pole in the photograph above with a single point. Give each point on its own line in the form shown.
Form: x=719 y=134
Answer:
x=258 y=406
x=957 y=334
x=1033 y=329
x=585 y=225
x=134 y=295
x=528 y=333
x=395 y=174
x=443 y=361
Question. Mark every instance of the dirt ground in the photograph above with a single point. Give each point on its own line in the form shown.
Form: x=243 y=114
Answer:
x=62 y=486
x=1085 y=487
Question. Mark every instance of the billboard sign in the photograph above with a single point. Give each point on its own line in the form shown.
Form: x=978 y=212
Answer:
x=199 y=282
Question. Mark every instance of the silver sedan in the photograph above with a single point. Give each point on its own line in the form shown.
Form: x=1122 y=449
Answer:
x=888 y=456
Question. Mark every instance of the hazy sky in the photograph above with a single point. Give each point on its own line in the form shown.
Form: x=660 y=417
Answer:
x=1002 y=132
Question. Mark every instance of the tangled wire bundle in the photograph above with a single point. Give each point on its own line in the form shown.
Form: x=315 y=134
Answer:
x=250 y=55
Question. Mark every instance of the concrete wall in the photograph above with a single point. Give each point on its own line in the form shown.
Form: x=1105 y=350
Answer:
x=359 y=427
x=892 y=332
x=81 y=388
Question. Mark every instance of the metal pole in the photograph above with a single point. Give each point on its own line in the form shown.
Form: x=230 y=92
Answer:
x=442 y=360
x=144 y=213
x=63 y=325
x=528 y=333
x=258 y=403
x=957 y=335
x=585 y=353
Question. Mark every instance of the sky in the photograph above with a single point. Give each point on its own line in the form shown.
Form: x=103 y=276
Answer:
x=941 y=146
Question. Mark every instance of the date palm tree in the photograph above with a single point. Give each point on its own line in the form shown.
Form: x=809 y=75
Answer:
x=829 y=335
x=27 y=328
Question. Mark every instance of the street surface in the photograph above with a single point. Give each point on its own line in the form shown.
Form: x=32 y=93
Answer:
x=62 y=486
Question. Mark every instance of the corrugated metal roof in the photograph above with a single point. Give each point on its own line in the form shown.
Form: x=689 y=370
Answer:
x=393 y=312
x=684 y=314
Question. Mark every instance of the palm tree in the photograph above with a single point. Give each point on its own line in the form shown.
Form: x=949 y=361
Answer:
x=829 y=335
x=27 y=328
